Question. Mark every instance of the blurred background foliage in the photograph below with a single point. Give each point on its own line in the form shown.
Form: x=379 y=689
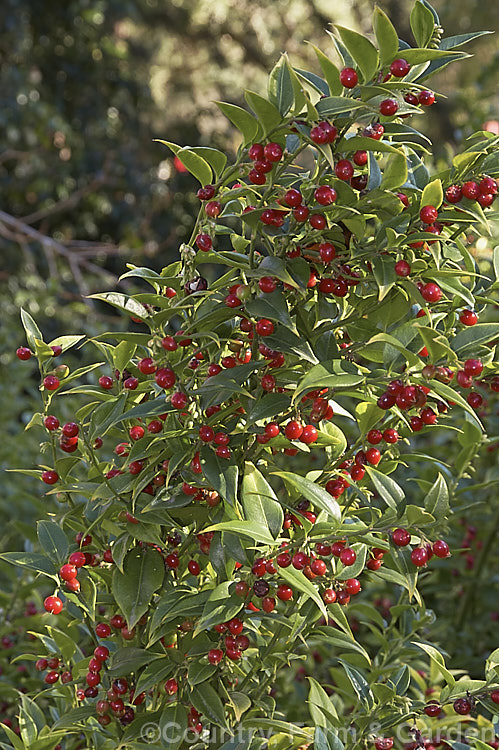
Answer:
x=85 y=87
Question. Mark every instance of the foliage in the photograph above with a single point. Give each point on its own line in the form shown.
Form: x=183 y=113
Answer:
x=219 y=489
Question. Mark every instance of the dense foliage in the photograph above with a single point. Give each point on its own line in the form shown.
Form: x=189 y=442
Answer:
x=264 y=478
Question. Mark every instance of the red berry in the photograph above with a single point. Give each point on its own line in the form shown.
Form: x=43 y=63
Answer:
x=383 y=743
x=360 y=158
x=53 y=605
x=284 y=592
x=235 y=626
x=347 y=556
x=213 y=209
x=373 y=456
x=428 y=214
x=103 y=630
x=51 y=383
x=419 y=556
x=215 y=656
x=130 y=384
x=293 y=198
x=50 y=477
x=349 y=78
x=473 y=367
x=402 y=268
x=390 y=435
x=51 y=677
x=255 y=152
x=264 y=327
x=432 y=710
x=399 y=68
x=388 y=107
x=329 y=596
x=273 y=152
x=471 y=190
x=309 y=434
x=352 y=586
x=426 y=98
x=494 y=696
x=101 y=653
x=462 y=706
x=206 y=192
x=327 y=252
x=68 y=572
x=344 y=170
x=179 y=400
x=374 y=436
x=317 y=221
x=106 y=382
x=318 y=567
x=325 y=195
x=293 y=430
x=463 y=379
x=401 y=537
x=301 y=213
x=468 y=318
x=171 y=686
x=431 y=292
x=453 y=194
x=23 y=353
x=441 y=548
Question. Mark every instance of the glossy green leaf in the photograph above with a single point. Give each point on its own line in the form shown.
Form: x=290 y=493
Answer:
x=242 y=119
x=53 y=541
x=248 y=529
x=32 y=560
x=194 y=163
x=324 y=375
x=422 y=24
x=222 y=605
x=259 y=500
x=329 y=71
x=362 y=51
x=433 y=194
x=299 y=582
x=437 y=500
x=280 y=87
x=321 y=707
x=317 y=495
x=469 y=338
x=207 y=701
x=386 y=36
x=326 y=739
x=438 y=660
x=267 y=113
x=144 y=571
x=359 y=684
x=172 y=725
x=395 y=172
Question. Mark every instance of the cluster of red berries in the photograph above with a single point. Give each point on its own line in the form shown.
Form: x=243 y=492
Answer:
x=422 y=554
x=483 y=191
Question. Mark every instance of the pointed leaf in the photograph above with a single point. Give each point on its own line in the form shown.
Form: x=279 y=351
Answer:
x=386 y=36
x=362 y=51
x=280 y=87
x=259 y=500
x=242 y=119
x=144 y=571
x=317 y=495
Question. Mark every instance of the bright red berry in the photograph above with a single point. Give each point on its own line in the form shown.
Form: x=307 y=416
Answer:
x=53 y=605
x=349 y=78
x=401 y=537
x=388 y=107
x=399 y=68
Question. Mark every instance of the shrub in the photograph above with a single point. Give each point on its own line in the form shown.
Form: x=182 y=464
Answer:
x=226 y=489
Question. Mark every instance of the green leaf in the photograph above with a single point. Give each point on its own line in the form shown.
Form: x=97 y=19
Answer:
x=32 y=330
x=324 y=375
x=367 y=415
x=321 y=707
x=450 y=395
x=299 y=582
x=437 y=500
x=259 y=500
x=53 y=541
x=326 y=739
x=31 y=560
x=280 y=87
x=215 y=158
x=268 y=115
x=329 y=71
x=391 y=492
x=244 y=528
x=317 y=495
x=64 y=642
x=432 y=194
x=31 y=720
x=384 y=275
x=206 y=700
x=422 y=24
x=144 y=571
x=331 y=106
x=362 y=51
x=122 y=302
x=344 y=641
x=363 y=143
x=473 y=336
x=438 y=660
x=172 y=726
x=194 y=163
x=240 y=702
x=269 y=405
x=122 y=354
x=74 y=718
x=242 y=119
x=131 y=659
x=221 y=606
x=66 y=342
x=395 y=172
x=273 y=306
x=386 y=36
x=359 y=684
x=415 y=56
x=221 y=474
